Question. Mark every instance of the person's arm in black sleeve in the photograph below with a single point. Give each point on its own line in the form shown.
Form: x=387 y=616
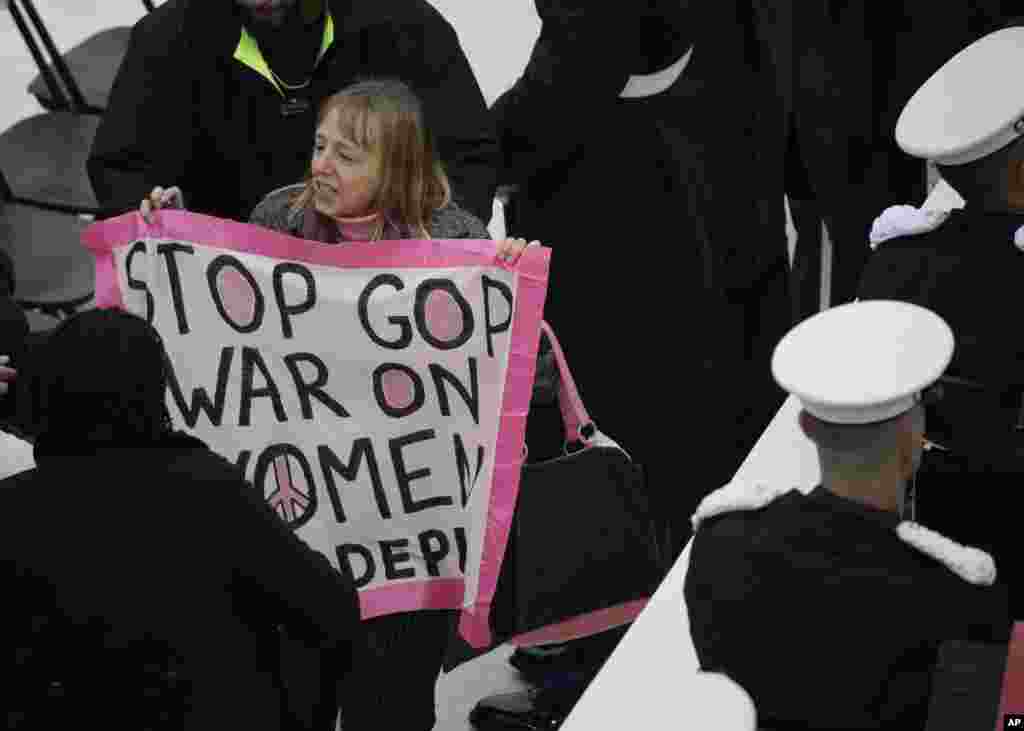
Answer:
x=297 y=585
x=145 y=137
x=578 y=67
x=428 y=57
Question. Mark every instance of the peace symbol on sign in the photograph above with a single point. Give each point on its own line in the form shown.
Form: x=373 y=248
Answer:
x=284 y=475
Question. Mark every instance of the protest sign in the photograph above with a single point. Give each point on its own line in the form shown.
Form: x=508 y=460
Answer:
x=375 y=393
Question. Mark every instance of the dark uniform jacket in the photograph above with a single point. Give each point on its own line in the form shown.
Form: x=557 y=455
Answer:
x=183 y=111
x=144 y=586
x=968 y=271
x=817 y=608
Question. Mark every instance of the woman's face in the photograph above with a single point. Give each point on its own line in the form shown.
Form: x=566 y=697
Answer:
x=346 y=177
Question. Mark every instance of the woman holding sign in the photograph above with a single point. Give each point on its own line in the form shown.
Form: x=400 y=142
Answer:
x=375 y=175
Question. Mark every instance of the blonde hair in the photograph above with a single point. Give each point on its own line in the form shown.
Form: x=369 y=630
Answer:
x=385 y=116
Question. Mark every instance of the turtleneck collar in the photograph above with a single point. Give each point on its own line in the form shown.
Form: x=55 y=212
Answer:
x=359 y=228
x=318 y=227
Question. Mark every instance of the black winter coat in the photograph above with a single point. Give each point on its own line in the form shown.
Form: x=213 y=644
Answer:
x=145 y=586
x=183 y=111
x=653 y=209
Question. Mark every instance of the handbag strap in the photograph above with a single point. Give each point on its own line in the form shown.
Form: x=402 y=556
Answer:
x=574 y=413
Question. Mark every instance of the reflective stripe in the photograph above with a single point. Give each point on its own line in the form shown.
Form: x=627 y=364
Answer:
x=644 y=85
x=248 y=52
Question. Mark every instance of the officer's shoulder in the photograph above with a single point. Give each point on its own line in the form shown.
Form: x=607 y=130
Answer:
x=906 y=226
x=740 y=498
x=967 y=562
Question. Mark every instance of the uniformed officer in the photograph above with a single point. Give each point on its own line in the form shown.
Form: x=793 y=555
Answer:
x=965 y=264
x=825 y=605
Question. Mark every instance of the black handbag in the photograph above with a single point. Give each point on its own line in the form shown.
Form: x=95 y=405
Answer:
x=582 y=555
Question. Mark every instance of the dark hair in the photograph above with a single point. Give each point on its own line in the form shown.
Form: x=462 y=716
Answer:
x=386 y=116
x=100 y=376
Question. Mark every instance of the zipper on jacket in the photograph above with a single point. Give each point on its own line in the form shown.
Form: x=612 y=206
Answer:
x=248 y=52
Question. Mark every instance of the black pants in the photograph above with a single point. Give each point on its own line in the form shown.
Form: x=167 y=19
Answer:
x=565 y=684
x=394 y=677
x=847 y=183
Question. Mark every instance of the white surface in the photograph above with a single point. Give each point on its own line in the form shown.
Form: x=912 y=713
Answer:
x=652 y=677
x=639 y=86
x=943 y=197
x=15 y=455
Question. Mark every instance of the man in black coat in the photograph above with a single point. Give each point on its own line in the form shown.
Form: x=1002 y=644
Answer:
x=220 y=97
x=145 y=583
x=964 y=264
x=827 y=607
x=631 y=141
x=634 y=142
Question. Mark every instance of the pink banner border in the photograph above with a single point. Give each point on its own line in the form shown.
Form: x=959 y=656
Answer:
x=532 y=273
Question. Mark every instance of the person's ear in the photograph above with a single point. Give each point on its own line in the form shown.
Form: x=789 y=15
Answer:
x=1015 y=189
x=911 y=440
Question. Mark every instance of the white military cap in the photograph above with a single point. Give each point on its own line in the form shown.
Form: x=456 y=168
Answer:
x=863 y=362
x=970 y=107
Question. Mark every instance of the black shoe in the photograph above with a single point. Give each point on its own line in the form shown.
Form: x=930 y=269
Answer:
x=526 y=710
x=536 y=663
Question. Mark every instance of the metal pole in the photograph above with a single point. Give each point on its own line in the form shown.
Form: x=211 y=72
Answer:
x=78 y=101
x=33 y=48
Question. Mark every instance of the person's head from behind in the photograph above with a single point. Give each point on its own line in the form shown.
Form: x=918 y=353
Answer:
x=869 y=462
x=972 y=128
x=100 y=377
x=862 y=373
x=373 y=154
